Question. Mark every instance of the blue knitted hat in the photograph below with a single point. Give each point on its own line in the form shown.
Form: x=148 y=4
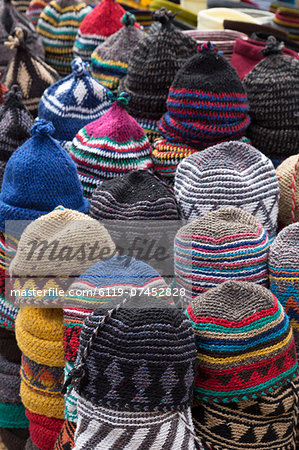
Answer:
x=39 y=176
x=73 y=102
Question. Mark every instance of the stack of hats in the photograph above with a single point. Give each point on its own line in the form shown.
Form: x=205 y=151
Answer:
x=273 y=93
x=226 y=244
x=152 y=67
x=246 y=376
x=284 y=273
x=141 y=357
x=109 y=147
x=109 y=61
x=229 y=174
x=288 y=179
x=10 y=18
x=28 y=71
x=207 y=104
x=15 y=125
x=73 y=102
x=97 y=26
x=35 y=8
x=58 y=25
x=287 y=18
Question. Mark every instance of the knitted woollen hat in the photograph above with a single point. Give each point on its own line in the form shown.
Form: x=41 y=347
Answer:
x=8 y=311
x=97 y=26
x=142 y=354
x=206 y=105
x=21 y=5
x=109 y=61
x=15 y=125
x=10 y=18
x=245 y=344
x=136 y=196
x=58 y=25
x=266 y=423
x=65 y=439
x=273 y=93
x=43 y=430
x=28 y=71
x=228 y=174
x=284 y=273
x=35 y=8
x=226 y=244
x=288 y=179
x=73 y=102
x=109 y=147
x=30 y=189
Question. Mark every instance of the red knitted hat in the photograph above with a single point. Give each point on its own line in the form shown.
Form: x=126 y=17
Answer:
x=43 y=430
x=104 y=20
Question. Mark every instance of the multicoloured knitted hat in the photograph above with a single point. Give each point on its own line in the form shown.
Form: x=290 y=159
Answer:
x=109 y=61
x=66 y=436
x=266 y=423
x=245 y=344
x=109 y=147
x=207 y=104
x=153 y=65
x=226 y=244
x=21 y=5
x=142 y=354
x=8 y=311
x=73 y=102
x=284 y=273
x=15 y=125
x=97 y=26
x=288 y=179
x=39 y=176
x=10 y=18
x=58 y=25
x=28 y=71
x=274 y=128
x=35 y=8
x=229 y=174
x=136 y=196
x=43 y=430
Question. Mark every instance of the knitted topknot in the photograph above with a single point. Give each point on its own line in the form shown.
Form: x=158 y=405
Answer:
x=128 y=19
x=273 y=47
x=164 y=16
x=42 y=128
x=79 y=67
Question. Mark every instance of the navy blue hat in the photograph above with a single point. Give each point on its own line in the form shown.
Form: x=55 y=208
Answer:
x=39 y=176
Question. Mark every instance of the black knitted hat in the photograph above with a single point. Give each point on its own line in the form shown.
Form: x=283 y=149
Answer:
x=273 y=95
x=153 y=65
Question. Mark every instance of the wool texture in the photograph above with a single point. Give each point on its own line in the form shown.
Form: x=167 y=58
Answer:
x=30 y=189
x=58 y=25
x=21 y=5
x=43 y=430
x=15 y=125
x=13 y=438
x=273 y=94
x=8 y=311
x=70 y=400
x=9 y=382
x=109 y=61
x=245 y=344
x=34 y=10
x=97 y=26
x=13 y=416
x=228 y=174
x=9 y=349
x=30 y=72
x=109 y=147
x=288 y=178
x=65 y=440
x=30 y=445
x=226 y=244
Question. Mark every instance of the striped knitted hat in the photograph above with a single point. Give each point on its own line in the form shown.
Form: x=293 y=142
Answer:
x=15 y=125
x=288 y=179
x=73 y=102
x=28 y=71
x=65 y=439
x=266 y=423
x=97 y=26
x=43 y=430
x=58 y=25
x=245 y=344
x=35 y=8
x=229 y=174
x=207 y=104
x=142 y=356
x=21 y=5
x=109 y=147
x=274 y=128
x=109 y=61
x=284 y=273
x=226 y=244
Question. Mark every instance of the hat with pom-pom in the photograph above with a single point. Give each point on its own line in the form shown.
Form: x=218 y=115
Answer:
x=109 y=147
x=109 y=61
x=73 y=102
x=58 y=25
x=28 y=71
x=38 y=177
x=97 y=26
x=207 y=104
x=15 y=124
x=288 y=178
x=153 y=65
x=273 y=94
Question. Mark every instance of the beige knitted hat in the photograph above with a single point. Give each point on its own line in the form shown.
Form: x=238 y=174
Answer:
x=288 y=178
